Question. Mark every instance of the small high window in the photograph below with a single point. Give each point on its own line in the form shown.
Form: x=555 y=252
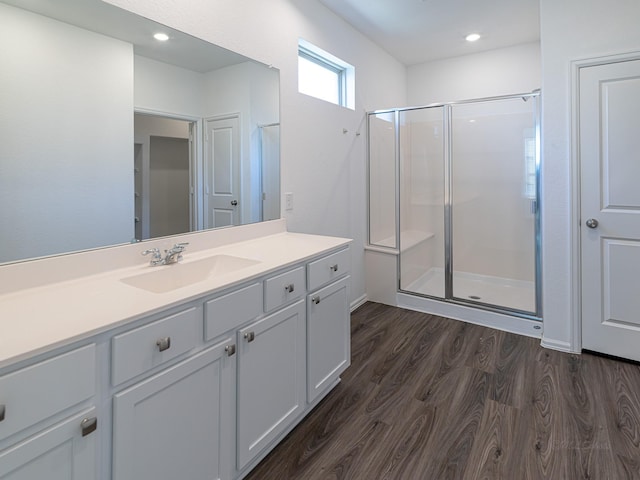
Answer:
x=324 y=76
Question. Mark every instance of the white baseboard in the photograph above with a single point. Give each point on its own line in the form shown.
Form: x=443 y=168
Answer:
x=559 y=345
x=358 y=302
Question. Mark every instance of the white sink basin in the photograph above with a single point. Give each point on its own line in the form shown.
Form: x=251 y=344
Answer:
x=165 y=278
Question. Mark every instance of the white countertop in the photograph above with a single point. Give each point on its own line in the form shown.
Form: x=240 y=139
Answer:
x=36 y=320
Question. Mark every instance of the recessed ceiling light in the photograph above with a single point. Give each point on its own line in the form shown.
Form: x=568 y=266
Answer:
x=472 y=37
x=162 y=37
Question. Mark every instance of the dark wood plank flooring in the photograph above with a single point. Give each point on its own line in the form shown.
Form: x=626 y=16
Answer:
x=433 y=398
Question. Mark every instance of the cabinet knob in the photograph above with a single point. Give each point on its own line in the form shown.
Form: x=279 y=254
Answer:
x=333 y=268
x=290 y=288
x=89 y=425
x=250 y=336
x=230 y=349
x=164 y=344
x=2 y=410
x=316 y=299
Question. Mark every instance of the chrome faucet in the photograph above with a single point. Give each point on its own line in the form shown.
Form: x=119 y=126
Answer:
x=173 y=255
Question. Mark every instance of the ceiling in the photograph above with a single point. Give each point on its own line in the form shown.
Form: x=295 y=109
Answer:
x=418 y=31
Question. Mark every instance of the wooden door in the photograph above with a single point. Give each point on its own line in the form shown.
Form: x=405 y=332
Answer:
x=609 y=142
x=222 y=172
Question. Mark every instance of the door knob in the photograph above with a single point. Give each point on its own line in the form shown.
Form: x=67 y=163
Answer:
x=592 y=223
x=234 y=202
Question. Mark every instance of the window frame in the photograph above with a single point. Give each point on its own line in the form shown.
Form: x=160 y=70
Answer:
x=345 y=73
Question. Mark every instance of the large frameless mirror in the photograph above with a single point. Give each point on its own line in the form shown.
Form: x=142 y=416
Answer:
x=108 y=135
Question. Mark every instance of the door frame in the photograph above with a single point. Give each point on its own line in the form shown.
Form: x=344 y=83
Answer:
x=196 y=162
x=575 y=329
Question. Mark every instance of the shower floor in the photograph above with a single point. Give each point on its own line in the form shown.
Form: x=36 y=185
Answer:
x=502 y=292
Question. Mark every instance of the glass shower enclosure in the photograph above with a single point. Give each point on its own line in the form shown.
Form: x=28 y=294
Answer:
x=453 y=190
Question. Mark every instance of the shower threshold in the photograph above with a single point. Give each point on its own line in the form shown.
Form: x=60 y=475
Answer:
x=497 y=291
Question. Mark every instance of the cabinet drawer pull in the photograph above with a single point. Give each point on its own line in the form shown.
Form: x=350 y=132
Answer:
x=230 y=349
x=333 y=268
x=316 y=299
x=89 y=425
x=250 y=336
x=164 y=344
x=290 y=288
x=2 y=410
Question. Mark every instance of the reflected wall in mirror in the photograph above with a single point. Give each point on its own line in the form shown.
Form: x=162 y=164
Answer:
x=108 y=136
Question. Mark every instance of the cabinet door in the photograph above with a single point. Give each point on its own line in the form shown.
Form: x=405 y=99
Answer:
x=328 y=336
x=271 y=379
x=58 y=453
x=177 y=423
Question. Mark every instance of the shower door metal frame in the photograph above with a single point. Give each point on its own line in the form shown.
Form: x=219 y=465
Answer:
x=448 y=206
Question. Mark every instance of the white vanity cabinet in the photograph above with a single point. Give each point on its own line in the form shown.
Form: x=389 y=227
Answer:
x=197 y=384
x=61 y=452
x=271 y=379
x=56 y=393
x=176 y=424
x=328 y=322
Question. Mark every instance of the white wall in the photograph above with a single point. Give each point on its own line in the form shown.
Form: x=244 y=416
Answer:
x=66 y=181
x=166 y=88
x=321 y=166
x=497 y=72
x=570 y=30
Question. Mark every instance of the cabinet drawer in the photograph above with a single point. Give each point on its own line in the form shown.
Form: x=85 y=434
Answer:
x=35 y=393
x=283 y=289
x=141 y=349
x=232 y=310
x=328 y=268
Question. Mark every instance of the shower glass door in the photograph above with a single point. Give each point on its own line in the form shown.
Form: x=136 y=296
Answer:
x=453 y=192
x=493 y=173
x=422 y=166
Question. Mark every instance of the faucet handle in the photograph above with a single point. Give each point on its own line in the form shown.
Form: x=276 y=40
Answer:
x=156 y=257
x=180 y=246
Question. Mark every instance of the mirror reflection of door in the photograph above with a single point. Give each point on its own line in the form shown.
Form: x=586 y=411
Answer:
x=222 y=172
x=163 y=163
